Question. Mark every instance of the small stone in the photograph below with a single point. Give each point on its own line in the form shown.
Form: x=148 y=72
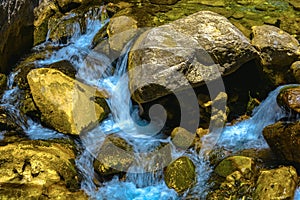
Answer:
x=121 y=30
x=182 y=138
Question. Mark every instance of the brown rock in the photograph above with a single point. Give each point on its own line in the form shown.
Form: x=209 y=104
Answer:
x=284 y=140
x=35 y=169
x=115 y=156
x=180 y=174
x=289 y=99
x=278 y=50
x=295 y=68
x=276 y=184
x=120 y=30
x=16 y=32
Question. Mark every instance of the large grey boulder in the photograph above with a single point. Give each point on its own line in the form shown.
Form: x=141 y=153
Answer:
x=66 y=105
x=201 y=47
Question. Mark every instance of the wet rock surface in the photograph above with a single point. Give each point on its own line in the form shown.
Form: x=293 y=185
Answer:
x=201 y=42
x=276 y=184
x=283 y=138
x=115 y=156
x=180 y=174
x=238 y=177
x=289 y=99
x=60 y=100
x=275 y=45
x=37 y=169
x=295 y=68
x=120 y=31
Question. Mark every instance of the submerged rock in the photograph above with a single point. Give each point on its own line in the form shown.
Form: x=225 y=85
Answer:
x=35 y=169
x=191 y=50
x=180 y=175
x=278 y=50
x=289 y=99
x=115 y=156
x=66 y=105
x=284 y=140
x=276 y=184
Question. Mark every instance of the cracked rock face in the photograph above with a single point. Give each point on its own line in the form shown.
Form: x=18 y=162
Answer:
x=33 y=169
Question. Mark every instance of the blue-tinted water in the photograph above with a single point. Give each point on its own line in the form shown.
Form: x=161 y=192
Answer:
x=124 y=120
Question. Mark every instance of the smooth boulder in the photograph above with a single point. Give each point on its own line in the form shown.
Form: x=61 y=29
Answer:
x=189 y=51
x=66 y=105
x=295 y=68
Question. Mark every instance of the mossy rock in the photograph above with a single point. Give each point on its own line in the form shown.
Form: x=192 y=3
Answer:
x=180 y=175
x=38 y=169
x=115 y=156
x=234 y=163
x=277 y=183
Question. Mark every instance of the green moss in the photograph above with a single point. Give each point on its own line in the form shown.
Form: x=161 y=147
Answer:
x=180 y=174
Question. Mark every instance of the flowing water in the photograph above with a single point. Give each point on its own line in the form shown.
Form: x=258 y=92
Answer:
x=141 y=184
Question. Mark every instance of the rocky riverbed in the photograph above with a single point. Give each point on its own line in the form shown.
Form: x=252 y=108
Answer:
x=149 y=99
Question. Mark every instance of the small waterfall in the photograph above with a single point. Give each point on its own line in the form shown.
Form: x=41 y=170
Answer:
x=142 y=182
x=248 y=133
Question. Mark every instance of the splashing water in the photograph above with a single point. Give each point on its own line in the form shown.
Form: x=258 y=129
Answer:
x=95 y=69
x=248 y=133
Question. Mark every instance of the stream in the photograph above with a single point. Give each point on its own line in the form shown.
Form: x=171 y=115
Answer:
x=125 y=122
